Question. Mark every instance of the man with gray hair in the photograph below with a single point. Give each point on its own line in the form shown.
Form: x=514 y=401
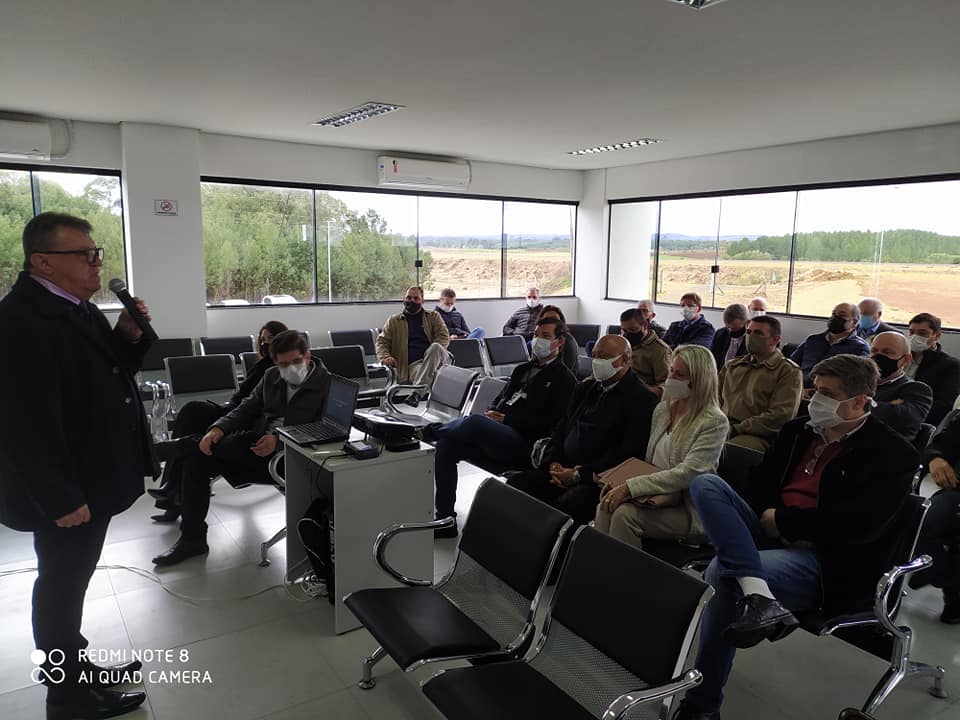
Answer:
x=524 y=320
x=840 y=338
x=869 y=325
x=809 y=532
x=649 y=312
x=729 y=342
x=902 y=403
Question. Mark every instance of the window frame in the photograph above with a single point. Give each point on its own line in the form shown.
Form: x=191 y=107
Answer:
x=327 y=187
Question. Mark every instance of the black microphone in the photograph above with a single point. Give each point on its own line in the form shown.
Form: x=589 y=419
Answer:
x=119 y=288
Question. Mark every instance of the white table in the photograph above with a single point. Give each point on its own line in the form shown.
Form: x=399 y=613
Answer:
x=368 y=496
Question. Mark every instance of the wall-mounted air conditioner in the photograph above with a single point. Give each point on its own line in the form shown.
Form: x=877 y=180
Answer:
x=416 y=173
x=25 y=139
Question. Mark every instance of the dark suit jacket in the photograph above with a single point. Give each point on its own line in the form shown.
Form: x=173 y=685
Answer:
x=861 y=490
x=721 y=341
x=602 y=429
x=881 y=327
x=73 y=429
x=698 y=332
x=545 y=397
x=906 y=418
x=942 y=373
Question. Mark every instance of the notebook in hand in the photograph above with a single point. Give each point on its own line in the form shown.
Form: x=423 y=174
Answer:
x=334 y=425
x=619 y=474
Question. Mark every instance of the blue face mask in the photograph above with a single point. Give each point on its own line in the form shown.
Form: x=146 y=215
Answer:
x=867 y=321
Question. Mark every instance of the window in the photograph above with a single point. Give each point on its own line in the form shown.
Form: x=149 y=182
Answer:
x=804 y=250
x=94 y=197
x=268 y=244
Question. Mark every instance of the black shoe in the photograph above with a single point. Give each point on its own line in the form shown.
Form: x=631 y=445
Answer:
x=182 y=550
x=951 y=607
x=168 y=516
x=761 y=618
x=426 y=433
x=167 y=450
x=108 y=677
x=158 y=493
x=686 y=711
x=95 y=704
x=445 y=533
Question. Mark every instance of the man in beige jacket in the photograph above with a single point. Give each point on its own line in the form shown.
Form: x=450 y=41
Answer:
x=414 y=342
x=760 y=391
x=650 y=356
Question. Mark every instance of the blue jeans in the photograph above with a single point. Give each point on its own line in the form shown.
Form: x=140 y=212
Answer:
x=476 y=334
x=476 y=439
x=793 y=575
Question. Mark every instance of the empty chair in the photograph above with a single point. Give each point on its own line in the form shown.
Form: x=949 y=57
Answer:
x=348 y=361
x=584 y=334
x=206 y=375
x=591 y=662
x=444 y=401
x=363 y=338
x=467 y=353
x=505 y=353
x=613 y=329
x=248 y=360
x=484 y=607
x=227 y=345
x=488 y=390
x=152 y=367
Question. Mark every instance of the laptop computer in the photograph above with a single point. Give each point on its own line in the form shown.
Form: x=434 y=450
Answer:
x=334 y=425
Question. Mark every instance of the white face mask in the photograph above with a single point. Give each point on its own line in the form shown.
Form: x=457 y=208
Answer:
x=603 y=369
x=445 y=307
x=919 y=344
x=823 y=412
x=677 y=389
x=531 y=303
x=542 y=348
x=756 y=313
x=294 y=374
x=688 y=313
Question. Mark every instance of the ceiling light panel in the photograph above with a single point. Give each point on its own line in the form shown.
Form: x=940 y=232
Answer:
x=615 y=146
x=356 y=114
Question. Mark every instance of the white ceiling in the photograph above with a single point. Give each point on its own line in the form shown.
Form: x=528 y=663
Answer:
x=521 y=81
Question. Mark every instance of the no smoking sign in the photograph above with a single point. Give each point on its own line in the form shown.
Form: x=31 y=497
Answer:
x=164 y=207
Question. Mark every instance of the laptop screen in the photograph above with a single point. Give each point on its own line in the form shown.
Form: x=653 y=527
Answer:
x=341 y=402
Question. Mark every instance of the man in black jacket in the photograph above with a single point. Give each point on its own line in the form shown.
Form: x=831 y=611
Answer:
x=606 y=422
x=694 y=329
x=75 y=443
x=730 y=341
x=812 y=530
x=526 y=410
x=240 y=444
x=453 y=318
x=932 y=365
x=902 y=403
x=523 y=320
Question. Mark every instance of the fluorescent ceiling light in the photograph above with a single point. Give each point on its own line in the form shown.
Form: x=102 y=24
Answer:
x=615 y=146
x=698 y=4
x=356 y=114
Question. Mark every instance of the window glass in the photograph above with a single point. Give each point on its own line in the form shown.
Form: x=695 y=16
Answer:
x=633 y=235
x=688 y=248
x=16 y=209
x=539 y=247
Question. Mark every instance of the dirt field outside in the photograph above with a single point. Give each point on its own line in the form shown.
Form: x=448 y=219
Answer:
x=474 y=273
x=905 y=289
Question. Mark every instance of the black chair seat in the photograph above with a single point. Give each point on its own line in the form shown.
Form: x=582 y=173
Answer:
x=413 y=623
x=677 y=554
x=872 y=639
x=506 y=691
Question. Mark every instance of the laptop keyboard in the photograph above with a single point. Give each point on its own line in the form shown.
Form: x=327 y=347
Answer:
x=312 y=432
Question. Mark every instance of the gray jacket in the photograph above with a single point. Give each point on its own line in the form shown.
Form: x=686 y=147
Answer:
x=523 y=321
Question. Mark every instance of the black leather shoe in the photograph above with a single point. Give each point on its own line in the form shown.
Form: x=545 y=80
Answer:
x=951 y=607
x=167 y=516
x=761 y=618
x=182 y=550
x=686 y=711
x=112 y=675
x=445 y=533
x=97 y=703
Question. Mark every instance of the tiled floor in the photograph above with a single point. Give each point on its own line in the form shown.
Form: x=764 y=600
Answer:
x=274 y=658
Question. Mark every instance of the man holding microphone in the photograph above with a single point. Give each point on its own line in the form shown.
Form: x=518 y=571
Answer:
x=74 y=443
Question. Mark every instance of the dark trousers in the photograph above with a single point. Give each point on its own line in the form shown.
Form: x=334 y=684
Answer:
x=232 y=458
x=940 y=539
x=579 y=501
x=66 y=560
x=193 y=419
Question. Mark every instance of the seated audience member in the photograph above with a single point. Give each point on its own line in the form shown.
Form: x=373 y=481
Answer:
x=757 y=308
x=570 y=349
x=196 y=416
x=649 y=312
x=240 y=444
x=606 y=422
x=527 y=409
x=932 y=365
x=694 y=329
x=760 y=392
x=870 y=325
x=414 y=341
x=730 y=340
x=650 y=356
x=686 y=439
x=940 y=536
x=808 y=534
x=523 y=320
x=841 y=338
x=453 y=319
x=902 y=403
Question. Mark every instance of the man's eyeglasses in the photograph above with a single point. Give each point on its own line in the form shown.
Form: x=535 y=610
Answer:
x=93 y=255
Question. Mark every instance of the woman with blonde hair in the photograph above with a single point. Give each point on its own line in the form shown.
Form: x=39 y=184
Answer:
x=686 y=439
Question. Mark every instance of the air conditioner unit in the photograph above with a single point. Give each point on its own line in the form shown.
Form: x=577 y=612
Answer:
x=416 y=173
x=25 y=140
